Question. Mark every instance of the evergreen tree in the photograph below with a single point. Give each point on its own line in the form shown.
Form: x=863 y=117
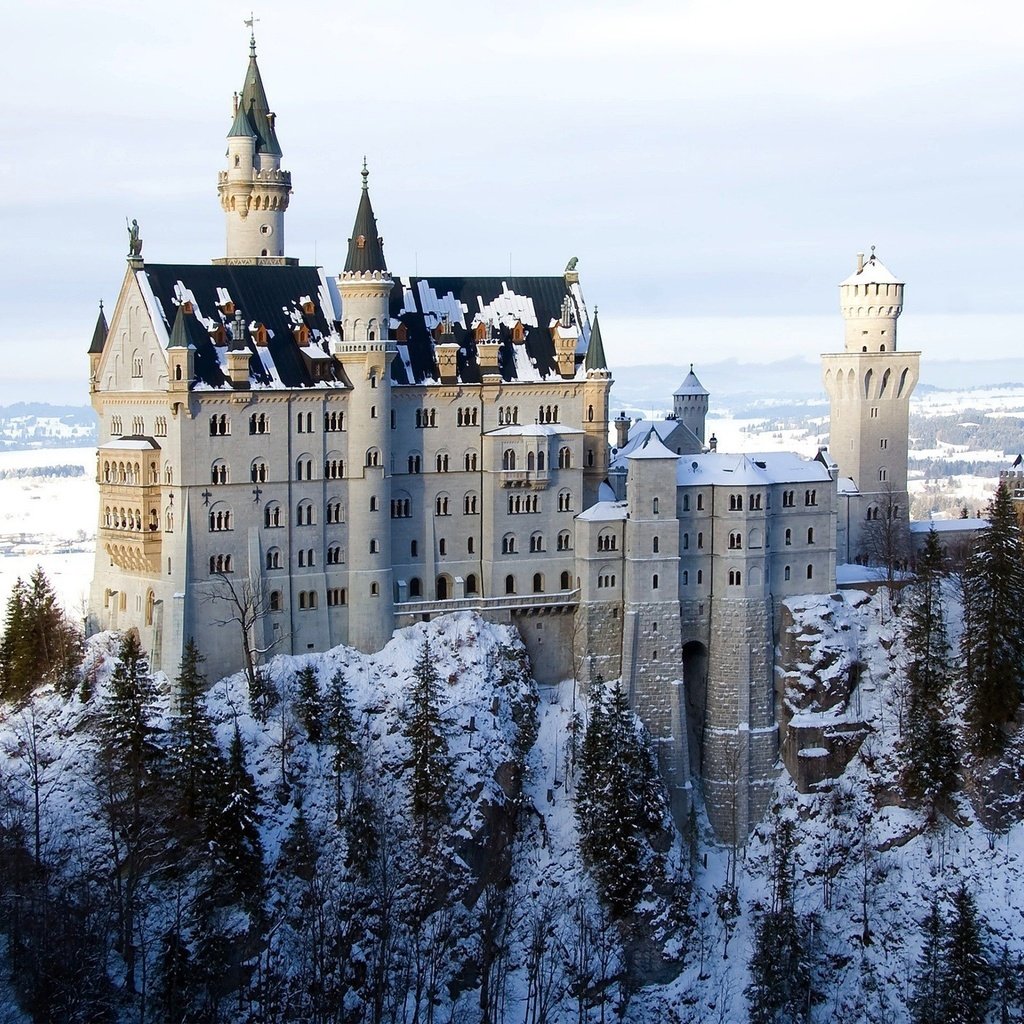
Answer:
x=425 y=730
x=993 y=646
x=309 y=706
x=966 y=971
x=340 y=733
x=928 y=746
x=39 y=644
x=195 y=759
x=927 y=1002
x=175 y=989
x=780 y=972
x=234 y=834
x=619 y=800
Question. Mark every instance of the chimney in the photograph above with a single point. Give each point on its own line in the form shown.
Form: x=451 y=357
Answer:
x=860 y=262
x=447 y=361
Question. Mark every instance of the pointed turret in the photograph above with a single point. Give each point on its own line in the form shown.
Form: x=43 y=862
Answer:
x=254 y=190
x=365 y=247
x=690 y=404
x=596 y=359
x=99 y=334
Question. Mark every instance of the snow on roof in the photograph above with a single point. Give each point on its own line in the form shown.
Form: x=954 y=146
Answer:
x=651 y=447
x=873 y=272
x=949 y=525
x=691 y=386
x=605 y=511
x=754 y=469
x=534 y=430
x=846 y=485
x=133 y=443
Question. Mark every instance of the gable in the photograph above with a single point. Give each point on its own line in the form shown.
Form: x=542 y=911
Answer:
x=133 y=357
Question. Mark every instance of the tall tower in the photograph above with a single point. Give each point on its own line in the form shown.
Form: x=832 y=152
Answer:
x=869 y=386
x=690 y=404
x=254 y=190
x=365 y=352
x=595 y=420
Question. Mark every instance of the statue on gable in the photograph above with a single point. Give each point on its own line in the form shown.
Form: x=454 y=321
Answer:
x=134 y=240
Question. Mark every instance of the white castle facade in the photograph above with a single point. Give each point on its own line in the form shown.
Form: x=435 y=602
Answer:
x=326 y=458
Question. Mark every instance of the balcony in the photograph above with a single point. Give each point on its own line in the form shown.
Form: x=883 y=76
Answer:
x=529 y=478
x=132 y=550
x=563 y=599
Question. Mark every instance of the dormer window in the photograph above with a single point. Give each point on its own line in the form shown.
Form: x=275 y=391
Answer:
x=480 y=332
x=518 y=332
x=260 y=334
x=402 y=333
x=361 y=242
x=308 y=308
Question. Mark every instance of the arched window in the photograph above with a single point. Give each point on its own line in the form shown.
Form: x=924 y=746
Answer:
x=415 y=463
x=372 y=457
x=441 y=505
x=275 y=600
x=508 y=544
x=536 y=543
x=538 y=583
x=220 y=518
x=510 y=584
x=564 y=458
x=654 y=582
x=415 y=587
x=654 y=506
x=789 y=537
x=441 y=462
x=787 y=574
x=441 y=588
x=565 y=500
x=470 y=504
x=735 y=540
x=654 y=545
x=565 y=581
x=374 y=546
x=374 y=503
x=735 y=578
x=470 y=461
x=508 y=459
x=304 y=513
x=304 y=467
x=334 y=467
x=334 y=555
x=810 y=535
x=564 y=541
x=219 y=472
x=335 y=511
x=810 y=572
x=274 y=558
x=471 y=582
x=258 y=471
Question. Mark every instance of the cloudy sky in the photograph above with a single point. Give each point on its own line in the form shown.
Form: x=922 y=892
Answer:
x=702 y=159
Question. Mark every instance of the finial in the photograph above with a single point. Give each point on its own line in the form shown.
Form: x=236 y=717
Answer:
x=249 y=24
x=872 y=252
x=101 y=305
x=595 y=311
x=365 y=173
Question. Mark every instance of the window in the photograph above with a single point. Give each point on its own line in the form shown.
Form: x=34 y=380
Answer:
x=735 y=578
x=686 y=503
x=136 y=364
x=883 y=474
x=565 y=581
x=160 y=426
x=810 y=572
x=442 y=547
x=138 y=426
x=414 y=549
x=538 y=583
x=258 y=472
x=654 y=582
x=258 y=423
x=220 y=518
x=275 y=601
x=415 y=587
x=334 y=467
x=219 y=472
x=374 y=590
x=441 y=462
x=306 y=558
x=787 y=574
x=304 y=467
x=789 y=537
x=735 y=540
x=470 y=504
x=755 y=502
x=374 y=503
x=467 y=417
x=654 y=507
x=307 y=599
x=686 y=578
x=272 y=515
x=334 y=421
x=372 y=457
x=536 y=543
x=470 y=545
x=441 y=503
x=470 y=461
x=700 y=541
x=565 y=500
x=471 y=583
x=564 y=543
x=220 y=564
x=510 y=584
x=607 y=541
x=335 y=511
x=883 y=443
x=334 y=555
x=220 y=426
x=274 y=558
x=700 y=502
x=305 y=423
x=686 y=542
x=700 y=579
x=564 y=458
x=374 y=546
x=401 y=508
x=787 y=499
x=508 y=544
x=415 y=464
x=304 y=513
x=508 y=459
x=810 y=498
x=810 y=535
x=336 y=596
x=426 y=418
x=654 y=545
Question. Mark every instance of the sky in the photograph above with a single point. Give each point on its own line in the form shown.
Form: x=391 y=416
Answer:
x=707 y=162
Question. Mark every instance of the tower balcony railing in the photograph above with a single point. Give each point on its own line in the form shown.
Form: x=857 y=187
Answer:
x=475 y=602
x=536 y=480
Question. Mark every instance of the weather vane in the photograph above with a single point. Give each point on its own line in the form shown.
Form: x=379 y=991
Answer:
x=249 y=24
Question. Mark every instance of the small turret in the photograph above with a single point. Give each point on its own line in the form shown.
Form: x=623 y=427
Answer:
x=99 y=339
x=690 y=404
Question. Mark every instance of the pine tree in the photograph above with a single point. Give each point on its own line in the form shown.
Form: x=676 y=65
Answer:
x=234 y=834
x=993 y=648
x=195 y=759
x=175 y=989
x=619 y=800
x=309 y=705
x=780 y=973
x=928 y=746
x=39 y=644
x=927 y=1002
x=340 y=733
x=966 y=974
x=425 y=730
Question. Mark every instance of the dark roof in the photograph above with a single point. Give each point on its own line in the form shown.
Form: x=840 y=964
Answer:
x=595 y=350
x=470 y=293
x=241 y=126
x=365 y=247
x=99 y=334
x=253 y=104
x=265 y=295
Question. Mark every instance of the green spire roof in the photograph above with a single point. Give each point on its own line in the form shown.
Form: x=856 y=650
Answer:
x=253 y=105
x=240 y=127
x=99 y=334
x=365 y=247
x=187 y=332
x=596 y=359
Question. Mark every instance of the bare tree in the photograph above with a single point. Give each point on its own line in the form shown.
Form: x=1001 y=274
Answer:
x=885 y=538
x=244 y=602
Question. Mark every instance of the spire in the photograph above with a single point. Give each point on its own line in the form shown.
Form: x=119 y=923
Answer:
x=595 y=350
x=365 y=247
x=255 y=109
x=240 y=127
x=179 y=332
x=99 y=334
x=691 y=386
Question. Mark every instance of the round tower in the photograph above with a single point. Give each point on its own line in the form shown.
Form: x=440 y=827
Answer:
x=253 y=189
x=365 y=352
x=690 y=404
x=871 y=300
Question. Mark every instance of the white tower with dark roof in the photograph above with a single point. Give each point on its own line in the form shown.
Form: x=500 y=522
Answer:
x=690 y=404
x=254 y=190
x=869 y=386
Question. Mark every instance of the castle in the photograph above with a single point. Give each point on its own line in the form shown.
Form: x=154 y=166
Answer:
x=291 y=460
